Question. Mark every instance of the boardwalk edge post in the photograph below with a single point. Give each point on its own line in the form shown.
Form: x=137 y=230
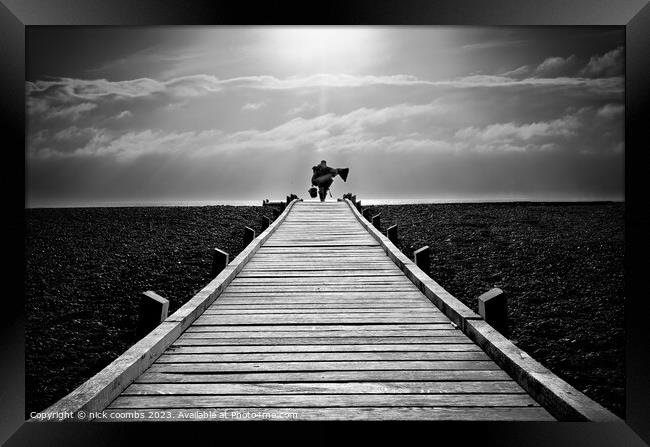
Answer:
x=492 y=307
x=421 y=258
x=376 y=221
x=391 y=233
x=219 y=261
x=152 y=311
x=563 y=401
x=249 y=235
x=98 y=391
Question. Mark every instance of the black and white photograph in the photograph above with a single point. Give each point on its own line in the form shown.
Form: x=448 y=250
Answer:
x=325 y=223
x=392 y=217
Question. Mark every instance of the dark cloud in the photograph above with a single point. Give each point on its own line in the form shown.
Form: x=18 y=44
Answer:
x=609 y=64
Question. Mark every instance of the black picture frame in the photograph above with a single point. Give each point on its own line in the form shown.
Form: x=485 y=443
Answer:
x=16 y=15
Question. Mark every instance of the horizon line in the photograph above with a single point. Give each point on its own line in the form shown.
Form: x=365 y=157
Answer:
x=257 y=202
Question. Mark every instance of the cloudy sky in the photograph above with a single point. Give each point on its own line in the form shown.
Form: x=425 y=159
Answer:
x=163 y=114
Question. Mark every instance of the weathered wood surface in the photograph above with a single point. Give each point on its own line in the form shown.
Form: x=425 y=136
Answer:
x=337 y=413
x=328 y=376
x=450 y=387
x=322 y=321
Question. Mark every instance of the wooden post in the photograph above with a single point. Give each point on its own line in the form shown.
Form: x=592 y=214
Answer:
x=220 y=260
x=288 y=200
x=153 y=310
x=366 y=213
x=421 y=258
x=353 y=198
x=376 y=221
x=249 y=235
x=391 y=234
x=266 y=221
x=492 y=306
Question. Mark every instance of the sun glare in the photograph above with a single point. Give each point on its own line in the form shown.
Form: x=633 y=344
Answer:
x=323 y=48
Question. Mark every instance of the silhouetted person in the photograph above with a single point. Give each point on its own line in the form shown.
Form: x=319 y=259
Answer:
x=324 y=176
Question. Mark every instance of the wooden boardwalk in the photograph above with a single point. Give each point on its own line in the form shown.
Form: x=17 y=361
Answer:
x=321 y=317
x=322 y=324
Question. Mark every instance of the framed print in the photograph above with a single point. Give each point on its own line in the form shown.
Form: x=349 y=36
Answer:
x=425 y=211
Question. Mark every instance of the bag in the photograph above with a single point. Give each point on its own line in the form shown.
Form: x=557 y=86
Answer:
x=313 y=192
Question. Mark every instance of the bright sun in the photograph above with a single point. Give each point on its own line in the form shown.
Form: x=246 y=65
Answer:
x=323 y=48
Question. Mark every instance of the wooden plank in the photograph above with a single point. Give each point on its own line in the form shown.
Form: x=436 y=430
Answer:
x=347 y=313
x=352 y=296
x=322 y=327
x=277 y=334
x=429 y=316
x=185 y=341
x=318 y=266
x=374 y=251
x=262 y=389
x=282 y=280
x=329 y=244
x=311 y=235
x=319 y=356
x=358 y=234
x=297 y=301
x=277 y=302
x=320 y=366
x=327 y=400
x=300 y=334
x=332 y=241
x=307 y=290
x=306 y=284
x=278 y=331
x=393 y=284
x=318 y=280
x=297 y=254
x=333 y=414
x=298 y=259
x=330 y=275
x=320 y=307
x=334 y=263
x=226 y=349
x=328 y=297
x=317 y=311
x=326 y=376
x=301 y=254
x=305 y=261
x=271 y=309
x=313 y=307
x=303 y=319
